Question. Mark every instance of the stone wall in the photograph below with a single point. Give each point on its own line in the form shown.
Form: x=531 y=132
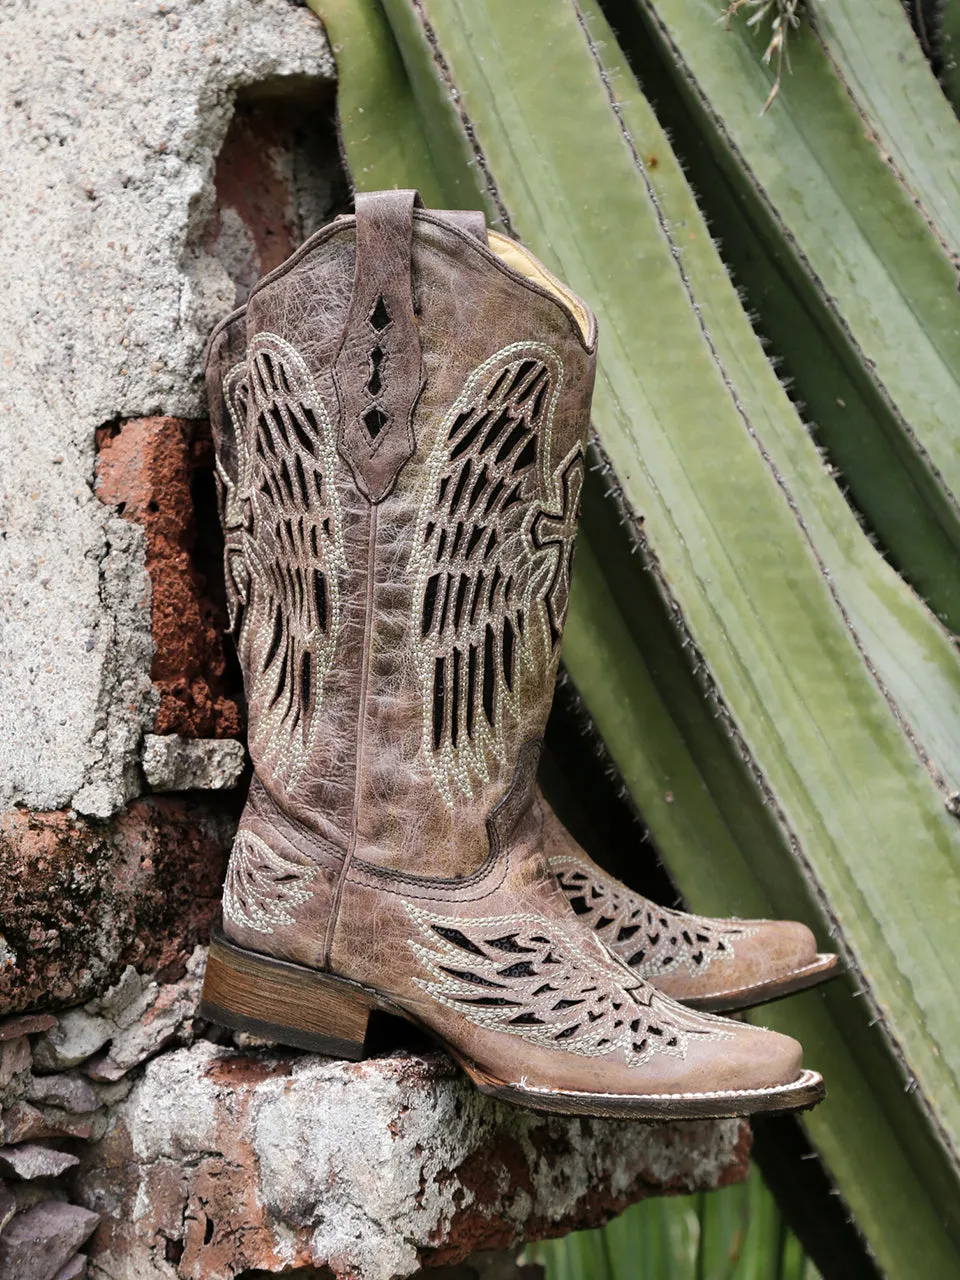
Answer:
x=159 y=158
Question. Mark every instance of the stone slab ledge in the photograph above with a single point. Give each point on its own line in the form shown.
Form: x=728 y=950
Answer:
x=222 y=1162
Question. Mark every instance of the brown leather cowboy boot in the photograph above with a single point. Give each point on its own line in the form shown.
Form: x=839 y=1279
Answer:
x=399 y=414
x=702 y=962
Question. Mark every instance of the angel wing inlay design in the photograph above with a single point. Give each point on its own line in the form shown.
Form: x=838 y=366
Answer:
x=533 y=977
x=493 y=546
x=283 y=552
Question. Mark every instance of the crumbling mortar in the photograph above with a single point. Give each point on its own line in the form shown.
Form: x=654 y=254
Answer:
x=125 y=222
x=116 y=739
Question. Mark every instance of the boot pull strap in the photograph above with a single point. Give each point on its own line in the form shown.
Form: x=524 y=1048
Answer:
x=378 y=371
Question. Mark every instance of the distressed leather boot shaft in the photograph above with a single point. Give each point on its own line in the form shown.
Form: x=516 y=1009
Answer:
x=399 y=414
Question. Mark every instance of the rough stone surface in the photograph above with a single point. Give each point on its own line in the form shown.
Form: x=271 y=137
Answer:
x=77 y=1036
x=26 y=1025
x=149 y=469
x=29 y=1161
x=67 y=1090
x=80 y=899
x=370 y=1169
x=74 y=1269
x=172 y=763
x=8 y=1205
x=115 y=116
x=131 y=1022
x=277 y=179
x=37 y=1243
x=24 y=1122
x=14 y=1068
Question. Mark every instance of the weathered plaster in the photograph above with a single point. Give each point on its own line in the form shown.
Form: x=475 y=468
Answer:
x=115 y=114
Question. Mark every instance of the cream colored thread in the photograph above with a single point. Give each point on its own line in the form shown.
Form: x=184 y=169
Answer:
x=281 y=752
x=261 y=884
x=619 y=903
x=456 y=768
x=441 y=955
x=802 y=1081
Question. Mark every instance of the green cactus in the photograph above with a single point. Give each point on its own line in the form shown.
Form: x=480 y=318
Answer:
x=849 y=191
x=779 y=702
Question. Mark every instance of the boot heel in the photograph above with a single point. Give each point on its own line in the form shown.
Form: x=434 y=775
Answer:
x=284 y=1002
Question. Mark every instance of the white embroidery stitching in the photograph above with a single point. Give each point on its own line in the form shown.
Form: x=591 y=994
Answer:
x=284 y=551
x=526 y=975
x=491 y=558
x=651 y=939
x=261 y=884
x=804 y=1080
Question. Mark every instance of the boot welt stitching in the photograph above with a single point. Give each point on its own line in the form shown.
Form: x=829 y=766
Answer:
x=805 y=1078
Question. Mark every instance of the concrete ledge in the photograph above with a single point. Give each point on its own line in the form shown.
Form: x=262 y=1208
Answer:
x=219 y=1162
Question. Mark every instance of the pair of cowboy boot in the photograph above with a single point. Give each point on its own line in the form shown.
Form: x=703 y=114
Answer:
x=400 y=414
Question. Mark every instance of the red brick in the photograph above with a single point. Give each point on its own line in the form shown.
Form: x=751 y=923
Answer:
x=146 y=468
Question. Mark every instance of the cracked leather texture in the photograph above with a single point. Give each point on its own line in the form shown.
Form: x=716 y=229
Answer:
x=686 y=956
x=377 y=371
x=390 y=870
x=469 y=306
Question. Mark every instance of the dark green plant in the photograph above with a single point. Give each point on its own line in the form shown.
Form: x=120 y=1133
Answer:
x=734 y=1234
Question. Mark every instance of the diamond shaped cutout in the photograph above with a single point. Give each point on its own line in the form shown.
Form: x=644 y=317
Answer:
x=380 y=316
x=374 y=420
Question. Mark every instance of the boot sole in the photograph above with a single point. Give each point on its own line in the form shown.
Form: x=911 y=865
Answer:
x=823 y=969
x=307 y=1009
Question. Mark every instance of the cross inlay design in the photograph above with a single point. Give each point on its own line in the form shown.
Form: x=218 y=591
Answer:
x=375 y=419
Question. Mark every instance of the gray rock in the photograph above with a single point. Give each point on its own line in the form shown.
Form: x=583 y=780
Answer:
x=66 y=1090
x=14 y=1069
x=74 y=1269
x=366 y=1168
x=77 y=1036
x=14 y=1058
x=165 y=1014
x=39 y=1242
x=124 y=1002
x=114 y=116
x=122 y=1028
x=80 y=1033
x=114 y=1092
x=172 y=763
x=29 y=1160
